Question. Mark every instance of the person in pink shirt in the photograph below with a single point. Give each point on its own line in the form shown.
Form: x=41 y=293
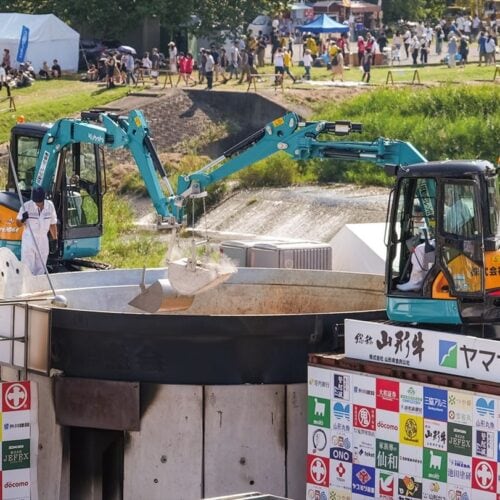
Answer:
x=361 y=49
x=185 y=68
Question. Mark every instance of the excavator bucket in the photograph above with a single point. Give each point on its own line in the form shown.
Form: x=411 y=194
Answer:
x=160 y=296
x=189 y=277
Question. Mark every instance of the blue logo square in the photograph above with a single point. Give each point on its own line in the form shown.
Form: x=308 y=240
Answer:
x=435 y=404
x=363 y=480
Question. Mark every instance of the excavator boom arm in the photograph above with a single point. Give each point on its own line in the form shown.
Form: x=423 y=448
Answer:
x=300 y=141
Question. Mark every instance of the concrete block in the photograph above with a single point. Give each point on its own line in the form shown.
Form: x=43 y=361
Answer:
x=163 y=461
x=244 y=439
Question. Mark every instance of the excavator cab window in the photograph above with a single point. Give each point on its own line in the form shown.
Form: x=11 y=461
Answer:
x=414 y=225
x=461 y=236
x=80 y=185
x=493 y=206
x=27 y=154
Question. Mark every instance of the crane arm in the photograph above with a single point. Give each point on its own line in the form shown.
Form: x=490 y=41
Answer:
x=301 y=141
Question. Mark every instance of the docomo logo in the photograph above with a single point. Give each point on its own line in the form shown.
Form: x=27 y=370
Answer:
x=390 y=427
x=20 y=484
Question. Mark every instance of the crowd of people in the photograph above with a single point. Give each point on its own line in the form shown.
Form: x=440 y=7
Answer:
x=25 y=74
x=451 y=40
x=413 y=43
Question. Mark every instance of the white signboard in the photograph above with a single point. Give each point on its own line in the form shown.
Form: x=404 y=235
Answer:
x=411 y=347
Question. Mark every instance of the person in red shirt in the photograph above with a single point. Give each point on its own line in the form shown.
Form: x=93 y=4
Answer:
x=185 y=69
x=361 y=49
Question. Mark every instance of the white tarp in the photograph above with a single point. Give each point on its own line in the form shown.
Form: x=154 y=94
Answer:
x=360 y=248
x=49 y=39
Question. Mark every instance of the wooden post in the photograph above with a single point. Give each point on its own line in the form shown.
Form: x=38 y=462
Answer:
x=389 y=77
x=139 y=77
x=168 y=78
x=416 y=76
x=10 y=98
x=252 y=80
x=497 y=72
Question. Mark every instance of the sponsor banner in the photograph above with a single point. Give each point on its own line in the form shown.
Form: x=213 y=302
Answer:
x=363 y=480
x=364 y=418
x=318 y=382
x=363 y=390
x=340 y=475
x=460 y=439
x=411 y=398
x=363 y=449
x=410 y=460
x=435 y=433
x=411 y=430
x=341 y=386
x=16 y=454
x=388 y=425
x=16 y=425
x=387 y=455
x=343 y=441
x=318 y=411
x=338 y=494
x=16 y=484
x=422 y=349
x=24 y=38
x=457 y=492
x=409 y=487
x=435 y=404
x=435 y=465
x=386 y=484
x=484 y=412
x=318 y=471
x=341 y=454
x=387 y=394
x=316 y=493
x=460 y=406
x=341 y=417
x=484 y=475
x=485 y=444
x=16 y=396
x=459 y=470
x=434 y=490
x=317 y=440
x=376 y=437
x=18 y=439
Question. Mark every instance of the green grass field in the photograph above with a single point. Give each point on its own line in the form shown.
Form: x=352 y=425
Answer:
x=46 y=101
x=429 y=75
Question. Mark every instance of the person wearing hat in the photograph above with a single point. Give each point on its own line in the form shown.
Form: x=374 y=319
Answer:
x=39 y=217
x=172 y=57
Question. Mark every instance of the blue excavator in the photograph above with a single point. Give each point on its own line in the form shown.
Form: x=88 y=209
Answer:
x=461 y=283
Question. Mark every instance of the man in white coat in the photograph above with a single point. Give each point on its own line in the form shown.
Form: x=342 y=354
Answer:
x=38 y=215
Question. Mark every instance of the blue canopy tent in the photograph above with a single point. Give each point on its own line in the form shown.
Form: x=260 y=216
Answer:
x=324 y=24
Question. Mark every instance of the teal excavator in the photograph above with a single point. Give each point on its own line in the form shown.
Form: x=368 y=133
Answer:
x=462 y=280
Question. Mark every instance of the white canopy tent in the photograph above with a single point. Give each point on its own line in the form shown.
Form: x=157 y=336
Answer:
x=360 y=248
x=49 y=38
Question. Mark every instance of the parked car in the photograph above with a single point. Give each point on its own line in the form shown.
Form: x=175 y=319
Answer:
x=261 y=23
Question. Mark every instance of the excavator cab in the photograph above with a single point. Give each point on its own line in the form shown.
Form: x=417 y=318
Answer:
x=453 y=257
x=76 y=191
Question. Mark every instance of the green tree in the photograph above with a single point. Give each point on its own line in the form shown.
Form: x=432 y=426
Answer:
x=416 y=10
x=111 y=18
